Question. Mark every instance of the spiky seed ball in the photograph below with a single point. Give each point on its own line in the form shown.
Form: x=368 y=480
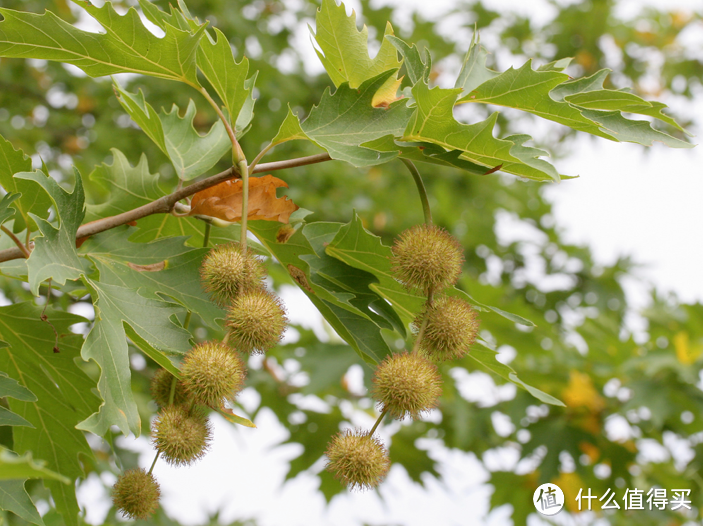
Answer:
x=256 y=320
x=226 y=272
x=212 y=371
x=136 y=494
x=181 y=435
x=406 y=384
x=357 y=459
x=451 y=328
x=427 y=257
x=161 y=389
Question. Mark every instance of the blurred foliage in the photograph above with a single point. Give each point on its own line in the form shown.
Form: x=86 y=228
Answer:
x=645 y=386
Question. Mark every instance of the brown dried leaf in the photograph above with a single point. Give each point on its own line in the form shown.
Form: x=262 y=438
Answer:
x=224 y=200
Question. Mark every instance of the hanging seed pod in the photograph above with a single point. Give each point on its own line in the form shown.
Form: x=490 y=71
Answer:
x=357 y=460
x=212 y=371
x=406 y=384
x=161 y=389
x=181 y=435
x=451 y=328
x=426 y=257
x=226 y=272
x=256 y=320
x=136 y=494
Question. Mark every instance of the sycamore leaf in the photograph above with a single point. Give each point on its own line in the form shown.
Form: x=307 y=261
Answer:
x=13 y=466
x=418 y=65
x=434 y=122
x=224 y=200
x=344 y=49
x=529 y=90
x=5 y=211
x=107 y=345
x=14 y=498
x=289 y=130
x=190 y=153
x=474 y=71
x=63 y=391
x=347 y=118
x=164 y=270
x=10 y=388
x=54 y=255
x=126 y=46
x=12 y=162
x=352 y=325
x=229 y=78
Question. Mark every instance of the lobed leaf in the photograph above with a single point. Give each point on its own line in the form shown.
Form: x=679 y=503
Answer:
x=14 y=498
x=13 y=466
x=190 y=153
x=344 y=49
x=126 y=46
x=54 y=255
x=12 y=162
x=63 y=391
x=12 y=389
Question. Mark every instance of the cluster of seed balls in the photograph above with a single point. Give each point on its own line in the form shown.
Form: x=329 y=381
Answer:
x=211 y=371
x=428 y=260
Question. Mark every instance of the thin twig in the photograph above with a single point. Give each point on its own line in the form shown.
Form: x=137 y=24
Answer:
x=164 y=204
x=258 y=157
x=20 y=245
x=378 y=421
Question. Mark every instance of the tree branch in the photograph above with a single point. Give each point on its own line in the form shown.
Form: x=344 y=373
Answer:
x=164 y=204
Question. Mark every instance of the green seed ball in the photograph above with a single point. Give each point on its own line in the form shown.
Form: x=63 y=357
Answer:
x=226 y=272
x=181 y=435
x=136 y=494
x=426 y=257
x=212 y=371
x=256 y=320
x=357 y=460
x=161 y=389
x=452 y=326
x=406 y=385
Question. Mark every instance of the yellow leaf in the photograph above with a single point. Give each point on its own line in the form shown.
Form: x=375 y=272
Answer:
x=387 y=93
x=686 y=353
x=581 y=393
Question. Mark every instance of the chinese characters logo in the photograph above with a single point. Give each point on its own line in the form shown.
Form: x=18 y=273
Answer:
x=548 y=499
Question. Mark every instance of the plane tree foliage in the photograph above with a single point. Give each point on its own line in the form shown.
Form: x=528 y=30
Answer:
x=97 y=124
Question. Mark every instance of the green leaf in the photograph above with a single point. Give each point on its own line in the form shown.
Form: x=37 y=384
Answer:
x=63 y=392
x=345 y=119
x=474 y=71
x=236 y=419
x=344 y=49
x=54 y=255
x=107 y=345
x=190 y=153
x=486 y=358
x=164 y=270
x=229 y=78
x=10 y=388
x=14 y=498
x=11 y=162
x=126 y=46
x=289 y=130
x=434 y=122
x=13 y=466
x=529 y=90
x=352 y=325
x=5 y=211
x=418 y=65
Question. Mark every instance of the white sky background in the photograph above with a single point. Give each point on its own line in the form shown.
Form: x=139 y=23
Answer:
x=625 y=203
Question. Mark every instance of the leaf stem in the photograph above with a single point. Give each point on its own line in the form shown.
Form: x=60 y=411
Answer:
x=237 y=153
x=378 y=421
x=423 y=325
x=258 y=157
x=244 y=171
x=206 y=235
x=154 y=463
x=15 y=239
x=186 y=322
x=163 y=205
x=420 y=188
x=172 y=393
